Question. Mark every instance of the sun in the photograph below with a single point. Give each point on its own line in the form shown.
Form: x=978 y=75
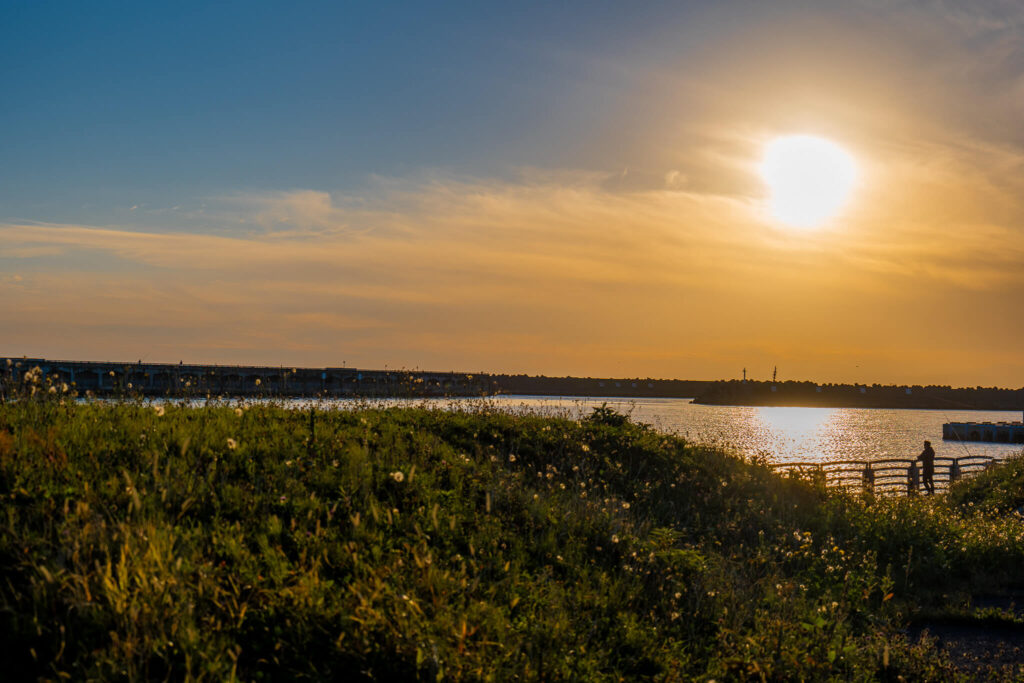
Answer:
x=810 y=179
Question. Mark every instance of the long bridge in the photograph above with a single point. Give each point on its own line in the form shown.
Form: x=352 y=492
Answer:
x=886 y=476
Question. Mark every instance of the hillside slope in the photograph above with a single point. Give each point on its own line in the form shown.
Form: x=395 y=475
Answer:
x=259 y=543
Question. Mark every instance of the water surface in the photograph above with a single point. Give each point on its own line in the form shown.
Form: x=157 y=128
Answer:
x=785 y=434
x=782 y=434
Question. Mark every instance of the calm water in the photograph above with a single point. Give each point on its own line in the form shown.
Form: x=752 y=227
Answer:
x=795 y=434
x=785 y=434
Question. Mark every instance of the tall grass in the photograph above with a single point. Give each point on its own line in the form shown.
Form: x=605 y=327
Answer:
x=255 y=542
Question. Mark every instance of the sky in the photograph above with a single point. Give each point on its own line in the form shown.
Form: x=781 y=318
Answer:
x=565 y=188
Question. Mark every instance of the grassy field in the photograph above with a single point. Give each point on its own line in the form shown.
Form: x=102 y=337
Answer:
x=259 y=543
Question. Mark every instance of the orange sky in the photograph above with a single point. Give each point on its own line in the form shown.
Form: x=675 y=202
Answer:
x=642 y=247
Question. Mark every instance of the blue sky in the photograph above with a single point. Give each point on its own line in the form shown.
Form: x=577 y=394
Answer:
x=160 y=104
x=566 y=188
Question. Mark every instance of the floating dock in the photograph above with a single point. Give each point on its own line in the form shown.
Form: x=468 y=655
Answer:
x=993 y=432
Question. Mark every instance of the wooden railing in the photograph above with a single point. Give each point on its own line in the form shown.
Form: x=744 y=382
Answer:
x=888 y=476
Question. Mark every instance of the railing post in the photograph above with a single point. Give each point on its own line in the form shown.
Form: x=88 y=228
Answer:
x=912 y=479
x=868 y=478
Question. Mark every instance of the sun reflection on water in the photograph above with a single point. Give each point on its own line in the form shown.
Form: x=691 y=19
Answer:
x=796 y=422
x=793 y=431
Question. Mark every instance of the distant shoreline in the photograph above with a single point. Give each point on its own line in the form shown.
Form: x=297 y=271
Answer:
x=811 y=395
x=103 y=378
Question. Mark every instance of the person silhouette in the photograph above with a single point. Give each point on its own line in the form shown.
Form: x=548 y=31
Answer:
x=927 y=459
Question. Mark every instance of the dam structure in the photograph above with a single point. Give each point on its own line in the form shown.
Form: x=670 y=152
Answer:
x=104 y=378
x=110 y=378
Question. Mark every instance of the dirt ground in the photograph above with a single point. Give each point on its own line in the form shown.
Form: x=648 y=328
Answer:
x=985 y=648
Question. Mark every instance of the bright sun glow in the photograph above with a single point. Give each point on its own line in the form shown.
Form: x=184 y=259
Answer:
x=810 y=179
